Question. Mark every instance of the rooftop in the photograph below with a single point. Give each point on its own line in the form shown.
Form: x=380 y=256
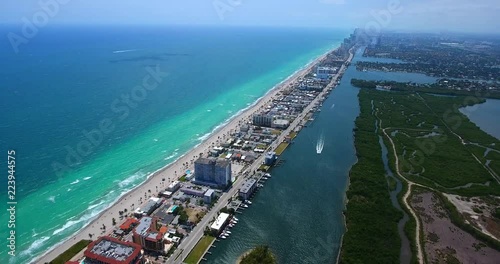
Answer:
x=220 y=221
x=111 y=250
x=144 y=225
x=128 y=223
x=210 y=192
x=217 y=162
x=247 y=185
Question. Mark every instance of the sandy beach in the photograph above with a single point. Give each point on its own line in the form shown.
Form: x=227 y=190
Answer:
x=160 y=179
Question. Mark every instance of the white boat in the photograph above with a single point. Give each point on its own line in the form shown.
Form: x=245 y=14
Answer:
x=244 y=205
x=248 y=202
x=267 y=175
x=231 y=225
x=222 y=236
x=229 y=232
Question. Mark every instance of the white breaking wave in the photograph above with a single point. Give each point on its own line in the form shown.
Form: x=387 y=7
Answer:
x=34 y=233
x=75 y=182
x=87 y=178
x=35 y=245
x=130 y=180
x=320 y=144
x=95 y=205
x=171 y=156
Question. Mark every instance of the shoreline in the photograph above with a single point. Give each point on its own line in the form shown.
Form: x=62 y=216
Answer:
x=154 y=179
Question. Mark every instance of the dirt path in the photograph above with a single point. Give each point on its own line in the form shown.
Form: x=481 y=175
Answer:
x=420 y=254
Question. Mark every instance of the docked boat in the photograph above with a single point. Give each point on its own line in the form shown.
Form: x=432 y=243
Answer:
x=223 y=237
x=244 y=206
x=248 y=202
x=267 y=175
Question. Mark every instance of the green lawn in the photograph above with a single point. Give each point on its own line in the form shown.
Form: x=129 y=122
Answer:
x=71 y=252
x=281 y=148
x=197 y=253
x=264 y=167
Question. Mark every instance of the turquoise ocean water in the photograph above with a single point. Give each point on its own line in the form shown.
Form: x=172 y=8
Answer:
x=67 y=80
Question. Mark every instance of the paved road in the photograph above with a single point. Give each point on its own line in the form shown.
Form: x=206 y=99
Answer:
x=190 y=241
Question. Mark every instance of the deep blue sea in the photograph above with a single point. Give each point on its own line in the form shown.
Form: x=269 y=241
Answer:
x=69 y=86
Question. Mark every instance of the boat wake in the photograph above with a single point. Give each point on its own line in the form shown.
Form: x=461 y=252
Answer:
x=320 y=144
x=124 y=51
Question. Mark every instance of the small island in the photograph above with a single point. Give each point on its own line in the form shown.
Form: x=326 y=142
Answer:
x=259 y=255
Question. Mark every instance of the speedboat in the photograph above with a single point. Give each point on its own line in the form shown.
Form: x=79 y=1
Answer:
x=235 y=219
x=222 y=236
x=248 y=202
x=228 y=232
x=244 y=205
x=231 y=225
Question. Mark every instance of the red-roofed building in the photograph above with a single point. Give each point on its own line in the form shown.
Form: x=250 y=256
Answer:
x=163 y=229
x=129 y=224
x=108 y=250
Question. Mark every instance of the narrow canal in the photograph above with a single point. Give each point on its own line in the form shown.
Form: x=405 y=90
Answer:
x=298 y=213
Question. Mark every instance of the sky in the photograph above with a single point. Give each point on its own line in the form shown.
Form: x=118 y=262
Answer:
x=407 y=15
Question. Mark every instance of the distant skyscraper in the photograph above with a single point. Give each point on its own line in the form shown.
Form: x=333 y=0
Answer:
x=212 y=172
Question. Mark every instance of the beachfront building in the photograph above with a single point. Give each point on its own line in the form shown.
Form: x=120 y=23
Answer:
x=174 y=186
x=247 y=189
x=152 y=204
x=147 y=236
x=128 y=225
x=108 y=250
x=325 y=72
x=212 y=172
x=264 y=120
x=220 y=223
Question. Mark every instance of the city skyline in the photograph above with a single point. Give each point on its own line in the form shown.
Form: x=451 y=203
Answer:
x=402 y=15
